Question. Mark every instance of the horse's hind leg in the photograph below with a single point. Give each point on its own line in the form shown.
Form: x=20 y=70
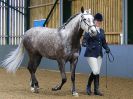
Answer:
x=34 y=61
x=61 y=65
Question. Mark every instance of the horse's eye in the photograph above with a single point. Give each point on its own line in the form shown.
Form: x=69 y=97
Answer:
x=88 y=20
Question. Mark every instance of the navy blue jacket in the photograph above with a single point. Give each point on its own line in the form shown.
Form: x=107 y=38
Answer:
x=94 y=44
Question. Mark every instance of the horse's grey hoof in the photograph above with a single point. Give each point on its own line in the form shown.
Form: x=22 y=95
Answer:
x=56 y=88
x=34 y=89
x=75 y=94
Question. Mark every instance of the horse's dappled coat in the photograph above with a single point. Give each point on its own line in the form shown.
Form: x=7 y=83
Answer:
x=61 y=44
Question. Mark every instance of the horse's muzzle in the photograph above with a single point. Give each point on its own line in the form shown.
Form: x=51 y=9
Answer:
x=93 y=33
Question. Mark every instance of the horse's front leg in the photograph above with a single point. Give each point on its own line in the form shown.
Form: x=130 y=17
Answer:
x=73 y=64
x=61 y=64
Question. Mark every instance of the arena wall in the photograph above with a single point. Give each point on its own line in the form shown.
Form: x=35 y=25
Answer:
x=121 y=67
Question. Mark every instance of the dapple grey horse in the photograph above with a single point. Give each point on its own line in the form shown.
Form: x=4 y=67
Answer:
x=61 y=44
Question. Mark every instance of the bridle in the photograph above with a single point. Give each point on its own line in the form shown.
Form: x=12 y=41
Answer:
x=83 y=19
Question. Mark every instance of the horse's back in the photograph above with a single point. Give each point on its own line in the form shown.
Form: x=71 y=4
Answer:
x=40 y=30
x=44 y=40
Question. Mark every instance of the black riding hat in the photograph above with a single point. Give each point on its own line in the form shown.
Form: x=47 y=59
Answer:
x=98 y=17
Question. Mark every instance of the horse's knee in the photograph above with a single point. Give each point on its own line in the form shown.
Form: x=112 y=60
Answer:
x=32 y=68
x=64 y=80
x=30 y=64
x=29 y=68
x=73 y=78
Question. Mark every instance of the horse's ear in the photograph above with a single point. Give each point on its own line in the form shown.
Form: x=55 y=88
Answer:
x=82 y=9
x=89 y=11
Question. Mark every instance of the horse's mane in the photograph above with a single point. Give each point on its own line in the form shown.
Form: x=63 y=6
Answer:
x=63 y=26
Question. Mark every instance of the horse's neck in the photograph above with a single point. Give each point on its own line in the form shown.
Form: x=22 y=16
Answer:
x=73 y=24
x=75 y=40
x=72 y=32
x=74 y=36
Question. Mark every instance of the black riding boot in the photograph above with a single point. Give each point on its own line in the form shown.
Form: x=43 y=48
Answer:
x=88 y=89
x=96 y=86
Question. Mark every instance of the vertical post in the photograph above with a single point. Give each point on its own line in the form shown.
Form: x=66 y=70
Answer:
x=7 y=37
x=4 y=32
x=61 y=12
x=14 y=34
x=121 y=38
x=11 y=12
x=23 y=16
x=1 y=38
x=125 y=21
x=18 y=23
x=27 y=14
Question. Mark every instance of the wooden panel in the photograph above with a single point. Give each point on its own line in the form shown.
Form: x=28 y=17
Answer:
x=39 y=9
x=112 y=13
x=111 y=10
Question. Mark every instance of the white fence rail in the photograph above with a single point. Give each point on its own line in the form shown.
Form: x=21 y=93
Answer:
x=12 y=20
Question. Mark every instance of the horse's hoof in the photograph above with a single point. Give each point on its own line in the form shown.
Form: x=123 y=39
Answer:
x=56 y=88
x=75 y=94
x=35 y=89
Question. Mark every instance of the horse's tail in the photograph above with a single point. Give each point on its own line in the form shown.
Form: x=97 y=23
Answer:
x=14 y=59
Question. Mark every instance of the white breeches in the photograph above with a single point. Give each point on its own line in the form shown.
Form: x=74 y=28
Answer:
x=95 y=64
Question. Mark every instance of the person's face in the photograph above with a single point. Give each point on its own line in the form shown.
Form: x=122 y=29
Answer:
x=98 y=23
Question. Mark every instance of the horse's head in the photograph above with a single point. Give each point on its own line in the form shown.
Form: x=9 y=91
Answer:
x=87 y=22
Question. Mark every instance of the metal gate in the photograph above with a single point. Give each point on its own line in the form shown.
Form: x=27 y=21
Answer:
x=12 y=21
